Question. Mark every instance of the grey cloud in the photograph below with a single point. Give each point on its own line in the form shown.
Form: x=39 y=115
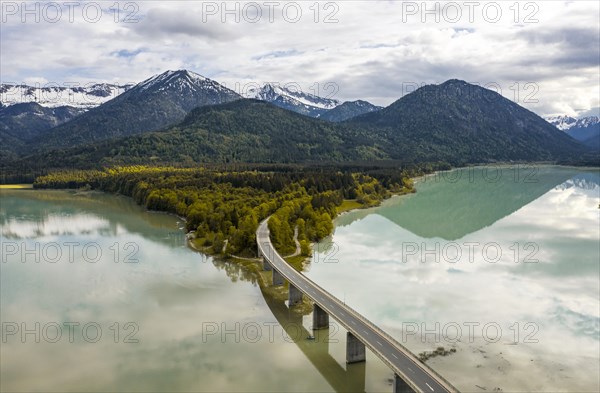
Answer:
x=571 y=36
x=578 y=47
x=166 y=23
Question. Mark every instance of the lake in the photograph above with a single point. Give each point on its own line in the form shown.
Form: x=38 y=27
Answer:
x=501 y=265
x=98 y=294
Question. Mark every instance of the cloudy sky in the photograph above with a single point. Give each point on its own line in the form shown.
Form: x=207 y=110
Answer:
x=543 y=54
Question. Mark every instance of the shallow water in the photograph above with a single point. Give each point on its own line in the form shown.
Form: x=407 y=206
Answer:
x=501 y=264
x=170 y=319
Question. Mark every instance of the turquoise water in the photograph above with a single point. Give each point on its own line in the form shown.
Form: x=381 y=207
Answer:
x=501 y=264
x=176 y=320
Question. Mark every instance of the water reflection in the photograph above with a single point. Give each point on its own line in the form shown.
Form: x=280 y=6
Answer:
x=483 y=252
x=170 y=294
x=27 y=214
x=466 y=200
x=316 y=349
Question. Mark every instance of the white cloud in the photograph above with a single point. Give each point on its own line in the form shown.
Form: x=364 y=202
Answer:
x=35 y=80
x=375 y=50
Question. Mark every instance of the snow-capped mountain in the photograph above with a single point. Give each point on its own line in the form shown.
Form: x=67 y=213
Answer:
x=85 y=97
x=158 y=101
x=567 y=122
x=588 y=121
x=562 y=122
x=184 y=82
x=292 y=99
x=585 y=129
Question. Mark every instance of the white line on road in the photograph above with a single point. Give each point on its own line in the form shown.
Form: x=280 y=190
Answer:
x=352 y=322
x=429 y=386
x=395 y=356
x=380 y=344
x=411 y=370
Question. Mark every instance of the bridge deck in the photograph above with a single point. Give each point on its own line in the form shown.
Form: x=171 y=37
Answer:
x=402 y=362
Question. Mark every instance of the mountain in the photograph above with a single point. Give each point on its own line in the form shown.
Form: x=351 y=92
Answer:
x=20 y=123
x=292 y=99
x=87 y=97
x=28 y=120
x=241 y=131
x=348 y=110
x=562 y=122
x=454 y=122
x=593 y=142
x=584 y=129
x=459 y=122
x=27 y=111
x=150 y=105
x=587 y=130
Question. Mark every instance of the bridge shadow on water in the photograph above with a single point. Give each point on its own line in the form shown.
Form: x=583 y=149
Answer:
x=316 y=350
x=314 y=344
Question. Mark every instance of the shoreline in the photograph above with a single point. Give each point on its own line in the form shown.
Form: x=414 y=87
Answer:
x=491 y=364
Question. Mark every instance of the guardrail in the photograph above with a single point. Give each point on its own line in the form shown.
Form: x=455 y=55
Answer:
x=441 y=380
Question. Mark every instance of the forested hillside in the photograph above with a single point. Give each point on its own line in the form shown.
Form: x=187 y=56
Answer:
x=240 y=131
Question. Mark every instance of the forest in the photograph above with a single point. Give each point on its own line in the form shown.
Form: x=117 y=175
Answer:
x=223 y=207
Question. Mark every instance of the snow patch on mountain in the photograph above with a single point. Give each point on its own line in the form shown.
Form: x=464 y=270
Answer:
x=183 y=81
x=168 y=78
x=85 y=97
x=564 y=123
x=271 y=92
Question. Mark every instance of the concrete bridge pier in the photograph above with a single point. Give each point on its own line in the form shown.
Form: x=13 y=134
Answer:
x=400 y=386
x=277 y=278
x=294 y=296
x=355 y=349
x=266 y=265
x=320 y=318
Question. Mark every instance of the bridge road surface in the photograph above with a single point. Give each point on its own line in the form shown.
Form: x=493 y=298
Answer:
x=402 y=362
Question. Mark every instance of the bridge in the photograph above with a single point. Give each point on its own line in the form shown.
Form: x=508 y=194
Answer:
x=410 y=374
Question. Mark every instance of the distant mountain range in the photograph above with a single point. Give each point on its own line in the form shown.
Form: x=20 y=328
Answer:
x=292 y=99
x=107 y=111
x=585 y=129
x=182 y=117
x=435 y=123
x=148 y=106
x=89 y=96
x=309 y=104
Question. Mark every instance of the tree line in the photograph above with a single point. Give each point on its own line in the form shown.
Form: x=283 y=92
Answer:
x=223 y=207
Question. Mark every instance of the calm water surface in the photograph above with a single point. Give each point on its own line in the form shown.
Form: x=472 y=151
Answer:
x=500 y=264
x=174 y=320
x=170 y=318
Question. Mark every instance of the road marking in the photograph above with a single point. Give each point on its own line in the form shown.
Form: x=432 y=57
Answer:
x=411 y=370
x=429 y=386
x=380 y=344
x=352 y=322
x=395 y=356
